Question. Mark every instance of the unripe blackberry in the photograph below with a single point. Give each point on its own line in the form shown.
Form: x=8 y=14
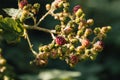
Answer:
x=73 y=60
x=96 y=30
x=54 y=54
x=72 y=48
x=75 y=9
x=77 y=20
x=80 y=49
x=58 y=28
x=85 y=42
x=60 y=40
x=64 y=49
x=22 y=3
x=36 y=5
x=74 y=41
x=68 y=30
x=88 y=32
x=105 y=29
x=80 y=33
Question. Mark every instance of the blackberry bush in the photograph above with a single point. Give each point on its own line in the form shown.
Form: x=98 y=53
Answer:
x=71 y=38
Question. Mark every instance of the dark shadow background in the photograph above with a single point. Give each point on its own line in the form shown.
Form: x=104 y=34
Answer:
x=107 y=64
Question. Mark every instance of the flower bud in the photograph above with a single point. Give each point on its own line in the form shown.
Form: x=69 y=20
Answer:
x=80 y=33
x=93 y=57
x=87 y=52
x=96 y=30
x=48 y=6
x=58 y=28
x=66 y=9
x=36 y=5
x=74 y=41
x=77 y=20
x=64 y=49
x=68 y=30
x=60 y=40
x=80 y=49
x=72 y=48
x=90 y=22
x=105 y=29
x=102 y=36
x=79 y=13
x=88 y=32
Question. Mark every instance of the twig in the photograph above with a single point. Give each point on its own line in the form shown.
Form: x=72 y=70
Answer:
x=29 y=42
x=39 y=29
x=43 y=18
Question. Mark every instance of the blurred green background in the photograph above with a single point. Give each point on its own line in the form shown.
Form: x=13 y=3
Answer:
x=105 y=67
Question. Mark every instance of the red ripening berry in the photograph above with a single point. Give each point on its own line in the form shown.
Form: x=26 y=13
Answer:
x=22 y=3
x=85 y=42
x=74 y=59
x=60 y=40
x=75 y=9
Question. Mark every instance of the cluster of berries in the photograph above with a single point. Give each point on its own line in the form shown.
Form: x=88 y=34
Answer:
x=73 y=40
x=27 y=10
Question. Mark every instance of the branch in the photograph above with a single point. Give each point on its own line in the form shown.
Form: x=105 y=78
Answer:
x=43 y=18
x=29 y=42
x=39 y=29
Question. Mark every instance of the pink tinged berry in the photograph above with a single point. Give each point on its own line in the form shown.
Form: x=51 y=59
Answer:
x=22 y=3
x=100 y=43
x=60 y=40
x=98 y=46
x=75 y=9
x=56 y=2
x=85 y=42
x=74 y=59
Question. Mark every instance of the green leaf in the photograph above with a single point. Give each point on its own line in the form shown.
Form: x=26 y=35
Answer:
x=12 y=29
x=12 y=11
x=16 y=12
